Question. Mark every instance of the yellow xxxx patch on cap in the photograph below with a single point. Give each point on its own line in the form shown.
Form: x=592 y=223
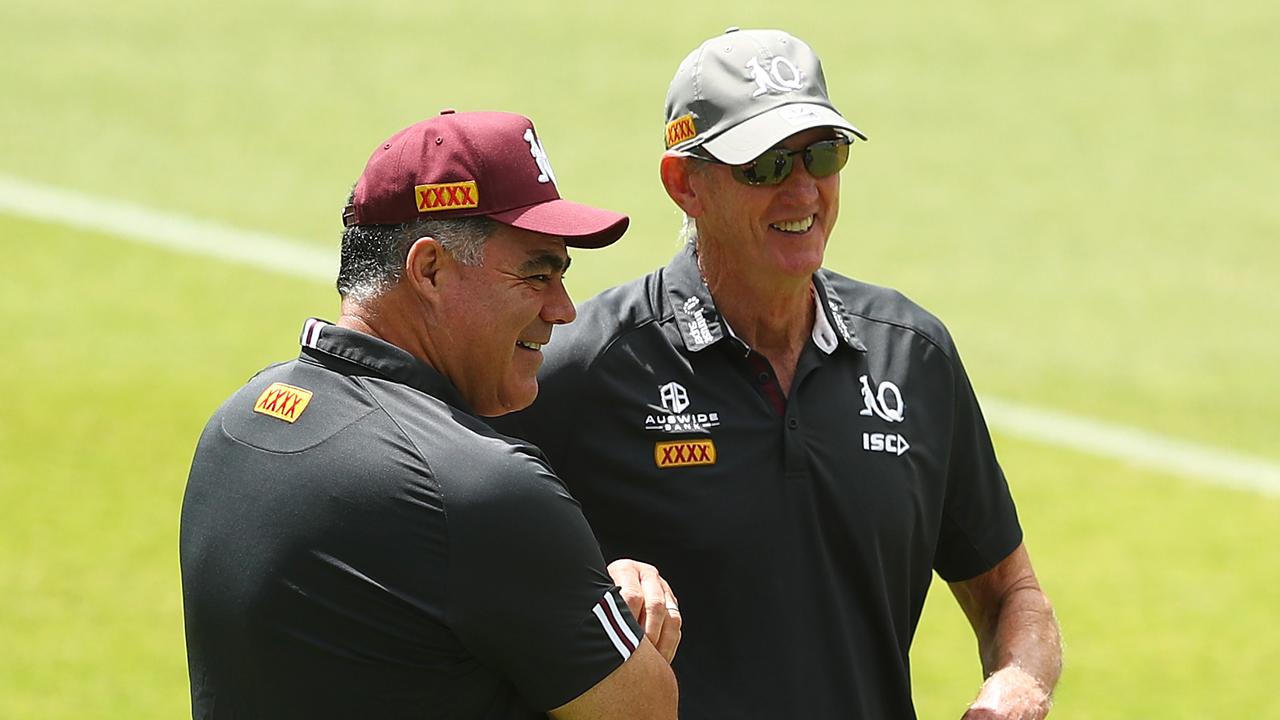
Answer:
x=679 y=130
x=447 y=196
x=682 y=453
x=284 y=402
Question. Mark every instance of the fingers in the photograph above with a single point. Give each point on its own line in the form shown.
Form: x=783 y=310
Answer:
x=651 y=601
x=672 y=628
x=662 y=620
x=626 y=574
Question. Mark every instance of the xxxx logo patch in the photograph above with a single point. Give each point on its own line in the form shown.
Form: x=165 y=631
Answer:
x=447 y=196
x=683 y=453
x=679 y=130
x=281 y=401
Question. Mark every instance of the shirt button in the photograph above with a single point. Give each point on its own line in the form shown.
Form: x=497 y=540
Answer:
x=793 y=423
x=763 y=378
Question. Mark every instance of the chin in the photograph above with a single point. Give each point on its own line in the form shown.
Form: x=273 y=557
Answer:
x=800 y=266
x=512 y=402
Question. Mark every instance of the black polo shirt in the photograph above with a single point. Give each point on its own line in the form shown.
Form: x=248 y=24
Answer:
x=355 y=543
x=800 y=533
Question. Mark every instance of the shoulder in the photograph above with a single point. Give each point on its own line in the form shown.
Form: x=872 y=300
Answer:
x=462 y=450
x=605 y=319
x=878 y=309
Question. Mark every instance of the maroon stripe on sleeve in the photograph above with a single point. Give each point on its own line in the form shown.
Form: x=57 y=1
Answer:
x=615 y=621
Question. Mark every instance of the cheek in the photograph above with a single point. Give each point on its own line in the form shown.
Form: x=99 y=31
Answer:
x=831 y=201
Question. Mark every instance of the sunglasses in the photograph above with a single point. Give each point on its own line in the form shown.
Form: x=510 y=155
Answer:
x=822 y=159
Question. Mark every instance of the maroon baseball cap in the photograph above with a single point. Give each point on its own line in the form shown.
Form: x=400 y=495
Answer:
x=474 y=163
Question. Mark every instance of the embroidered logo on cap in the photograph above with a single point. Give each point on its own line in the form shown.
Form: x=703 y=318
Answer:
x=284 y=402
x=778 y=76
x=679 y=130
x=545 y=174
x=683 y=453
x=447 y=196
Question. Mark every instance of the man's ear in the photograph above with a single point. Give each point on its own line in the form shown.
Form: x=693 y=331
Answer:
x=676 y=174
x=423 y=264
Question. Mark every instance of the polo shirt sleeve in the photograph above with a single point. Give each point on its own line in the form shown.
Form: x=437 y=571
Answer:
x=979 y=521
x=529 y=594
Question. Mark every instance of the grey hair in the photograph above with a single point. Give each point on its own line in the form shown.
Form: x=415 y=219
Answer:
x=373 y=256
x=688 y=227
x=689 y=232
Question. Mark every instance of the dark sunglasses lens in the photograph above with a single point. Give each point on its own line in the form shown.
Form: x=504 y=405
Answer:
x=824 y=159
x=770 y=168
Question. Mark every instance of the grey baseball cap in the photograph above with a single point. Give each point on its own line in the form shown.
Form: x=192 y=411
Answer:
x=740 y=93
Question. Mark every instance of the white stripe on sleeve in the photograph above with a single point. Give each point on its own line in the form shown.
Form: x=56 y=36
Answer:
x=608 y=630
x=622 y=622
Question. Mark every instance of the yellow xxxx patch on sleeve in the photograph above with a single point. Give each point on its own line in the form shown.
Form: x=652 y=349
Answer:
x=682 y=453
x=284 y=402
x=679 y=130
x=447 y=196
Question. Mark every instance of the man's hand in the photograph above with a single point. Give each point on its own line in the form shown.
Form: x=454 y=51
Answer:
x=650 y=599
x=1010 y=694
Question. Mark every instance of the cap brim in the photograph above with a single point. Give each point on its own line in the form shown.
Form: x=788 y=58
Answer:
x=745 y=141
x=581 y=226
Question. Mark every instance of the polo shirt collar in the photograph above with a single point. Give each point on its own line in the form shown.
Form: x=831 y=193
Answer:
x=695 y=311
x=701 y=325
x=352 y=352
x=832 y=314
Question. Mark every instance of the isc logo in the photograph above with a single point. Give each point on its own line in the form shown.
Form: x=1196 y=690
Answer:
x=884 y=442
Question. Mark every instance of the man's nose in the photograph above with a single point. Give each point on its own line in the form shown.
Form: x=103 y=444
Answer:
x=800 y=183
x=558 y=308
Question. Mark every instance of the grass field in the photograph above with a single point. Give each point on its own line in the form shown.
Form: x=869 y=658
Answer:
x=1085 y=192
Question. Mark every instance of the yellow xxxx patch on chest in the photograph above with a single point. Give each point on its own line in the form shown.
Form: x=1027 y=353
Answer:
x=683 y=453
x=284 y=402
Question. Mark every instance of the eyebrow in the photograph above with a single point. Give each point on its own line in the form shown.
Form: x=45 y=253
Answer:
x=545 y=261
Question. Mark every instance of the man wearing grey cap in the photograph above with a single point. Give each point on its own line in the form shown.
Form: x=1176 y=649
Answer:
x=797 y=451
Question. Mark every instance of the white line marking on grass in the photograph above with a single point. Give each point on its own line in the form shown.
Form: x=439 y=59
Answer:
x=165 y=230
x=280 y=255
x=1198 y=462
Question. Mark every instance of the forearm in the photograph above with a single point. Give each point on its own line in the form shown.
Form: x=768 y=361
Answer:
x=1023 y=634
x=1018 y=640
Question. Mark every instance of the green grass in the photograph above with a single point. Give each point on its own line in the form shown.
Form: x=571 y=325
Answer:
x=1084 y=192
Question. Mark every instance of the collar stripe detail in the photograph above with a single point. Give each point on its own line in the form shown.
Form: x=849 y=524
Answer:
x=606 y=611
x=843 y=321
x=824 y=336
x=311 y=332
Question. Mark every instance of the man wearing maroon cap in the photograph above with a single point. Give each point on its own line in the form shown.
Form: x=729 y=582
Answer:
x=356 y=540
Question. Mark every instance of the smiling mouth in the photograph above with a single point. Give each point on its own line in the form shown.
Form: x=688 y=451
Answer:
x=795 y=227
x=535 y=346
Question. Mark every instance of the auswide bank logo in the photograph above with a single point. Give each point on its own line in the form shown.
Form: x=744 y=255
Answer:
x=677 y=416
x=887 y=404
